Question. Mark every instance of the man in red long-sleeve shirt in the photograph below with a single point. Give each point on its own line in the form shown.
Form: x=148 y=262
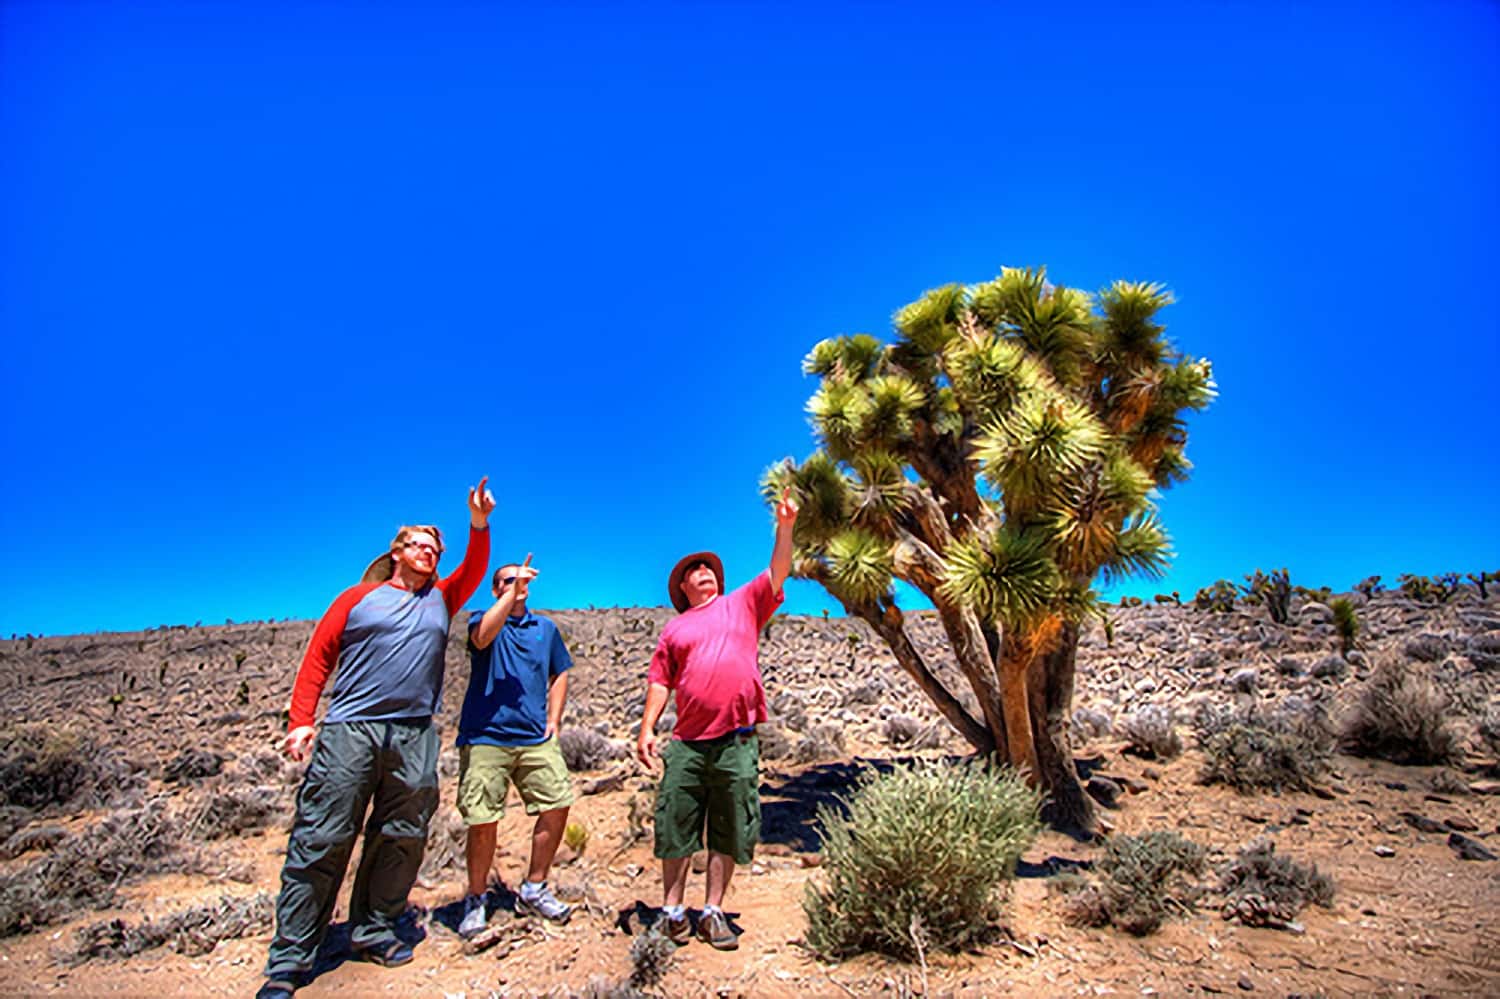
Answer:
x=377 y=747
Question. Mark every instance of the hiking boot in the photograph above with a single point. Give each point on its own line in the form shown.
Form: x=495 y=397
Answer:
x=475 y=917
x=391 y=954
x=542 y=902
x=279 y=987
x=678 y=930
x=713 y=929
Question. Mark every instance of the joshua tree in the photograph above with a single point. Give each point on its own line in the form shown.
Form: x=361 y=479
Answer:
x=999 y=454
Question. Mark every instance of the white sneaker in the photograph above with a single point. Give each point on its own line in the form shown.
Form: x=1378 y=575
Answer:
x=475 y=918
x=542 y=902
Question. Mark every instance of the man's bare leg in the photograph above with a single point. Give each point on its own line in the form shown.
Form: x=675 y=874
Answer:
x=479 y=855
x=720 y=871
x=674 y=872
x=546 y=835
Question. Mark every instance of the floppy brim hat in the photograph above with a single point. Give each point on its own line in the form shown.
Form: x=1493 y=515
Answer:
x=674 y=581
x=378 y=571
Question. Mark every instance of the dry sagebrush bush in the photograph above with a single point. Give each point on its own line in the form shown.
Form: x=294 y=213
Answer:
x=43 y=765
x=584 y=749
x=1253 y=748
x=1151 y=733
x=1137 y=884
x=193 y=932
x=1401 y=716
x=923 y=852
x=1262 y=887
x=88 y=867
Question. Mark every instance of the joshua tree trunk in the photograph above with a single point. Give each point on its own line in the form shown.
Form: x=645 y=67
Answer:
x=1051 y=689
x=1016 y=655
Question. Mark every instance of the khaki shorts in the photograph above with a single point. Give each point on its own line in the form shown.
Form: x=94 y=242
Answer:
x=709 y=787
x=486 y=772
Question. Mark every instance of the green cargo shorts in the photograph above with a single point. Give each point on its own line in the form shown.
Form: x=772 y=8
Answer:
x=485 y=773
x=715 y=784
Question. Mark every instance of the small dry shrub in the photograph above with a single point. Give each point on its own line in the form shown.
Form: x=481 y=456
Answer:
x=192 y=765
x=1402 y=716
x=923 y=852
x=1253 y=748
x=446 y=836
x=1137 y=883
x=88 y=867
x=584 y=749
x=233 y=811
x=774 y=745
x=1091 y=722
x=1151 y=733
x=1262 y=887
x=1484 y=651
x=193 y=932
x=32 y=838
x=1426 y=648
x=42 y=765
x=823 y=741
x=790 y=710
x=650 y=958
x=1489 y=729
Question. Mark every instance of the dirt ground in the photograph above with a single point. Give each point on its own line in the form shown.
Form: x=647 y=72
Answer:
x=1409 y=917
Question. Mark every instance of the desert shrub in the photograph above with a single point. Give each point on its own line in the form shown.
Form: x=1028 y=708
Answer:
x=32 y=838
x=650 y=957
x=1484 y=651
x=576 y=836
x=446 y=834
x=42 y=765
x=790 y=710
x=1426 y=648
x=774 y=744
x=194 y=932
x=1274 y=590
x=1401 y=716
x=88 y=867
x=924 y=851
x=1489 y=729
x=1346 y=623
x=868 y=692
x=1091 y=722
x=1137 y=883
x=192 y=764
x=1151 y=733
x=823 y=741
x=1330 y=667
x=908 y=732
x=1253 y=748
x=1244 y=681
x=1264 y=888
x=235 y=811
x=585 y=749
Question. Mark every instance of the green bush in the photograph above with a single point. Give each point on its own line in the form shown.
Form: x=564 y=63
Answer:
x=1403 y=717
x=1137 y=884
x=921 y=855
x=1346 y=623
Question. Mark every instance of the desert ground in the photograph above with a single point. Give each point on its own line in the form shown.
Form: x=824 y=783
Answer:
x=177 y=807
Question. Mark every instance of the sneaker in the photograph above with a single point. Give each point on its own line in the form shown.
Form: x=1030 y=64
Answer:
x=543 y=903
x=714 y=930
x=475 y=918
x=678 y=930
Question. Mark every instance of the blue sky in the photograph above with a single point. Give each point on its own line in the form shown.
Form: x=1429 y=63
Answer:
x=276 y=278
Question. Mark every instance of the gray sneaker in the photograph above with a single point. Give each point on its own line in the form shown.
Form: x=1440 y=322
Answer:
x=543 y=903
x=475 y=918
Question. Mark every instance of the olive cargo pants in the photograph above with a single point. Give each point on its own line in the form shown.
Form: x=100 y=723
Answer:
x=391 y=766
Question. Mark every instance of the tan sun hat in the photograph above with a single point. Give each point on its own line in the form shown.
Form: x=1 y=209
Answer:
x=383 y=566
x=674 y=581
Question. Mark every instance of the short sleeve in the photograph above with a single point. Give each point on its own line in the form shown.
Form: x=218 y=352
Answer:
x=762 y=598
x=560 y=660
x=662 y=669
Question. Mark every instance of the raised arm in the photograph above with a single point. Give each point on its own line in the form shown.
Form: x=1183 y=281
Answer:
x=494 y=618
x=781 y=550
x=460 y=586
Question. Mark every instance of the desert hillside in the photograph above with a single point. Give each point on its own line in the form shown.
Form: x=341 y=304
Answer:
x=145 y=811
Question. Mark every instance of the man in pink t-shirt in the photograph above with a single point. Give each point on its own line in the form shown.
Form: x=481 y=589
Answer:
x=711 y=766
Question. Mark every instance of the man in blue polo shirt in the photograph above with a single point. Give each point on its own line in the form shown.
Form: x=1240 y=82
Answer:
x=518 y=684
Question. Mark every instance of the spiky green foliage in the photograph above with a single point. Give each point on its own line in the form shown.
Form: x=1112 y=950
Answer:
x=923 y=850
x=1000 y=453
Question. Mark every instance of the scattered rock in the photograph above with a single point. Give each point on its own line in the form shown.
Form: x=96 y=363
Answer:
x=1422 y=823
x=1384 y=851
x=1459 y=824
x=1104 y=791
x=1246 y=984
x=1468 y=849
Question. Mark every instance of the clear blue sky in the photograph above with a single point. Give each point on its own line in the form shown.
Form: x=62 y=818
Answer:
x=275 y=278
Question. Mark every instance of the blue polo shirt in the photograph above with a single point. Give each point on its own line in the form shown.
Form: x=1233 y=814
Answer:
x=506 y=703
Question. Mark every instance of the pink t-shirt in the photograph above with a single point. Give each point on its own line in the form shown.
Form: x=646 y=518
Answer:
x=708 y=656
